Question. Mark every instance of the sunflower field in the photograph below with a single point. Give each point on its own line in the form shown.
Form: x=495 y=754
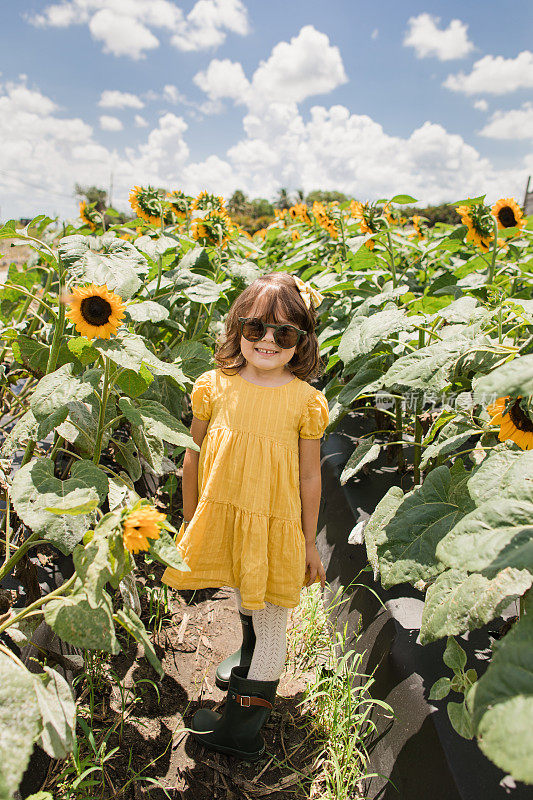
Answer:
x=427 y=331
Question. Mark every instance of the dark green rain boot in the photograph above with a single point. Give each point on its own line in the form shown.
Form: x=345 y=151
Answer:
x=236 y=732
x=242 y=657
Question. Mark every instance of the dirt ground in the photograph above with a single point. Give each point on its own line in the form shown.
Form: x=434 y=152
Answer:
x=205 y=629
x=8 y=255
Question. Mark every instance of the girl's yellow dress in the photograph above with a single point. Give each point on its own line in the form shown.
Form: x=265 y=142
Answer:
x=246 y=531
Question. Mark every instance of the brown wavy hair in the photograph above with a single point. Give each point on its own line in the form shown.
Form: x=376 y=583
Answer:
x=278 y=298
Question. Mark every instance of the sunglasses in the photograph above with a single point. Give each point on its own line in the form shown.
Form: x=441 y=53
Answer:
x=285 y=336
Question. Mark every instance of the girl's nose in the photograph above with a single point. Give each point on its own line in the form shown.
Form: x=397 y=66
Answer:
x=269 y=335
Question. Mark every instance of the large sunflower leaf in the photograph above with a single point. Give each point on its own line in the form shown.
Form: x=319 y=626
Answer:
x=19 y=723
x=457 y=602
x=81 y=623
x=35 y=488
x=374 y=528
x=502 y=701
x=147 y=441
x=135 y=383
x=158 y=419
x=195 y=358
x=447 y=445
x=166 y=552
x=147 y=310
x=92 y=566
x=131 y=622
x=34 y=355
x=364 y=333
x=55 y=390
x=496 y=535
x=514 y=378
x=129 y=351
x=502 y=468
x=427 y=368
x=126 y=456
x=100 y=260
x=406 y=551
x=81 y=425
x=366 y=380
x=57 y=707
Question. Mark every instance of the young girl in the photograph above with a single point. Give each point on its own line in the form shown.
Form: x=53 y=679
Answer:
x=251 y=495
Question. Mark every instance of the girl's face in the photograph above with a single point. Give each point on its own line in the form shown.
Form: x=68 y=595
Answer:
x=266 y=355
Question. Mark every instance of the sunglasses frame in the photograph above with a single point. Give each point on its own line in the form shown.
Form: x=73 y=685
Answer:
x=266 y=325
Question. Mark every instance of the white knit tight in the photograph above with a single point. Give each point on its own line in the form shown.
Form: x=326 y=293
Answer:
x=270 y=651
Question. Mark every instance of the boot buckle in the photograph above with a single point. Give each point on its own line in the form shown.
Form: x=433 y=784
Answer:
x=242 y=702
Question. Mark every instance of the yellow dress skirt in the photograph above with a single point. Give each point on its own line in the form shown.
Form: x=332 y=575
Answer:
x=246 y=531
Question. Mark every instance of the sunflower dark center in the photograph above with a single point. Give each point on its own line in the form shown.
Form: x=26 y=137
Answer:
x=95 y=310
x=507 y=217
x=519 y=419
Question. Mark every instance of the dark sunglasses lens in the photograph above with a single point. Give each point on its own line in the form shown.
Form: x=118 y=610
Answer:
x=286 y=336
x=253 y=330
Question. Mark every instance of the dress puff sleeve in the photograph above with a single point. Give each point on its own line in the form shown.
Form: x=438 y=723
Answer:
x=315 y=417
x=201 y=397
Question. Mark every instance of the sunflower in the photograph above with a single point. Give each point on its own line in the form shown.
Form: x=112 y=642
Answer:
x=300 y=211
x=295 y=235
x=147 y=203
x=215 y=228
x=261 y=233
x=508 y=214
x=88 y=215
x=179 y=203
x=478 y=220
x=514 y=423
x=418 y=225
x=208 y=202
x=324 y=219
x=141 y=525
x=370 y=219
x=95 y=311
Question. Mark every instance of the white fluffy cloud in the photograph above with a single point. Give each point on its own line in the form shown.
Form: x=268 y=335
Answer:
x=126 y=27
x=110 y=123
x=330 y=149
x=495 y=75
x=139 y=121
x=305 y=66
x=514 y=124
x=481 y=105
x=111 y=98
x=428 y=39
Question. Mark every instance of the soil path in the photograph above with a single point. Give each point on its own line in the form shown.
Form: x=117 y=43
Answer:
x=204 y=629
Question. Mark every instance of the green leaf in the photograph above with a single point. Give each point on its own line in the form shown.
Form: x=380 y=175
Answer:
x=81 y=426
x=155 y=246
x=375 y=528
x=364 y=333
x=81 y=507
x=82 y=349
x=57 y=707
x=82 y=623
x=58 y=388
x=440 y=689
x=465 y=309
x=135 y=383
x=514 y=378
x=92 y=567
x=129 y=351
x=34 y=355
x=35 y=488
x=496 y=535
x=445 y=446
x=403 y=199
x=364 y=453
x=109 y=260
x=147 y=310
x=503 y=468
x=457 y=602
x=461 y=719
x=502 y=701
x=470 y=201
x=366 y=380
x=406 y=550
x=19 y=723
x=126 y=455
x=454 y=656
x=131 y=622
x=426 y=368
x=166 y=552
x=194 y=357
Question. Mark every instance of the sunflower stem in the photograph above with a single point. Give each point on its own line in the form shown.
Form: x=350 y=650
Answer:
x=101 y=416
x=40 y=602
x=392 y=263
x=490 y=276
x=60 y=324
x=159 y=268
x=399 y=431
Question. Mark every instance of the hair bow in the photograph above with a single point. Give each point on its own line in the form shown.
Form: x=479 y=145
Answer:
x=309 y=295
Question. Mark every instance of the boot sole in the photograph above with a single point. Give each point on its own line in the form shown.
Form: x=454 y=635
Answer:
x=229 y=751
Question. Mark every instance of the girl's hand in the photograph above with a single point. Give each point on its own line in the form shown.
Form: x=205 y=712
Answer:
x=313 y=565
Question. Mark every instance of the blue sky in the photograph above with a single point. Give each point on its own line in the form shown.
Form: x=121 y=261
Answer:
x=434 y=99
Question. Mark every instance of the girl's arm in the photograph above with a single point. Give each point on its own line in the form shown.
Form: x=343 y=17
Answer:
x=190 y=469
x=310 y=492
